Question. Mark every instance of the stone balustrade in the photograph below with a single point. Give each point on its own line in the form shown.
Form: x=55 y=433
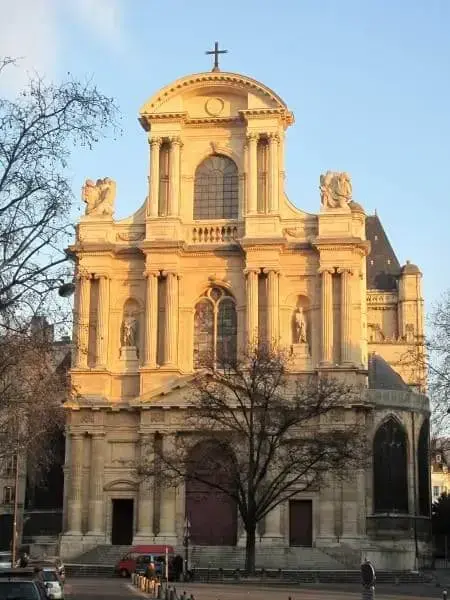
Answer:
x=225 y=233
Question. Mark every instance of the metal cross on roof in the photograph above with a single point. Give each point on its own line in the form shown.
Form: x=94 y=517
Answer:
x=216 y=53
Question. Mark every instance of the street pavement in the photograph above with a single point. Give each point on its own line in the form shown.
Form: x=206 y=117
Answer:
x=114 y=588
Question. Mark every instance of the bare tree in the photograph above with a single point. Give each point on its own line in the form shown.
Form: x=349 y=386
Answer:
x=278 y=433
x=33 y=386
x=38 y=131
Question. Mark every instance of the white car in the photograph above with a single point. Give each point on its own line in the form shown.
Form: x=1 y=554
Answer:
x=52 y=583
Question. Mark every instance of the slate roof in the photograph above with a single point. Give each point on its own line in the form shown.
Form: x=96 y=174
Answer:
x=382 y=376
x=383 y=267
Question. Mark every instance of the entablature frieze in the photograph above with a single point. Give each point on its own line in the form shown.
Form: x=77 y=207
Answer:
x=342 y=244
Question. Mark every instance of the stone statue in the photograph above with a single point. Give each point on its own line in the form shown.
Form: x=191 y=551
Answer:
x=335 y=190
x=99 y=196
x=299 y=326
x=129 y=331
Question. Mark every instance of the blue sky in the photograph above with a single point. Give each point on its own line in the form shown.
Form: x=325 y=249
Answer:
x=368 y=82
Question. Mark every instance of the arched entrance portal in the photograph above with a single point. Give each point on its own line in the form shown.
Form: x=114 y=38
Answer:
x=211 y=511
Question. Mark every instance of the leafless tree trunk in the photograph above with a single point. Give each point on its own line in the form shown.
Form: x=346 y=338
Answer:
x=280 y=430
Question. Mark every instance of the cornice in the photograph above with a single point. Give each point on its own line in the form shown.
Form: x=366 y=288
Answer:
x=341 y=243
x=175 y=117
x=262 y=243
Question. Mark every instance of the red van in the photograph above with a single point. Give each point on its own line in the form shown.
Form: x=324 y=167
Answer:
x=127 y=564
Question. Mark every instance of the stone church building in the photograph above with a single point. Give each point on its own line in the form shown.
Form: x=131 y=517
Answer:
x=216 y=256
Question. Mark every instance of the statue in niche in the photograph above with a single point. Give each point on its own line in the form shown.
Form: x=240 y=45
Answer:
x=409 y=333
x=335 y=190
x=299 y=326
x=129 y=331
x=99 y=196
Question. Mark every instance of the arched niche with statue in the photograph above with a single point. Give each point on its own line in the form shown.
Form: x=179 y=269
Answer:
x=130 y=330
x=301 y=332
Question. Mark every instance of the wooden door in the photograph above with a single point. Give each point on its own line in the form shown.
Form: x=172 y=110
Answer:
x=300 y=523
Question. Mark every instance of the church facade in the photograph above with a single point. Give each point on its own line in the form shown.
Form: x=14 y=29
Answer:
x=216 y=257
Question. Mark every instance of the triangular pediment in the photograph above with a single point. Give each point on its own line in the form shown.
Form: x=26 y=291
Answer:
x=176 y=392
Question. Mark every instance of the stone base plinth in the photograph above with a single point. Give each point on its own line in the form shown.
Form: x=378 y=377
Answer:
x=273 y=540
x=300 y=357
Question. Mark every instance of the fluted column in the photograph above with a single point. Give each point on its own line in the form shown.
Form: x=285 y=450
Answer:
x=146 y=491
x=252 y=180
x=273 y=310
x=155 y=145
x=252 y=306
x=82 y=337
x=327 y=315
x=151 y=318
x=102 y=321
x=76 y=480
x=167 y=526
x=272 y=529
x=274 y=173
x=96 y=482
x=174 y=166
x=171 y=318
x=346 y=315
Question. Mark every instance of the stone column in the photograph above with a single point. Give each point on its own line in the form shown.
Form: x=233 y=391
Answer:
x=327 y=316
x=252 y=306
x=146 y=491
x=82 y=336
x=273 y=310
x=252 y=180
x=174 y=166
x=155 y=145
x=272 y=531
x=102 y=321
x=346 y=316
x=167 y=524
x=274 y=173
x=76 y=481
x=96 y=479
x=171 y=318
x=151 y=318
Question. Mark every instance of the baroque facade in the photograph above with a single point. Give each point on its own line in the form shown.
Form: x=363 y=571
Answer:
x=215 y=257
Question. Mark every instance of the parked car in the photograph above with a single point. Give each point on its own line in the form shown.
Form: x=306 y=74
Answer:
x=52 y=582
x=22 y=584
x=127 y=564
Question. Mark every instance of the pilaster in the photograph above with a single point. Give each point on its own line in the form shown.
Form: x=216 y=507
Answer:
x=146 y=493
x=346 y=314
x=327 y=316
x=84 y=283
x=76 y=467
x=171 y=318
x=151 y=318
x=272 y=532
x=274 y=173
x=174 y=169
x=273 y=312
x=152 y=207
x=252 y=306
x=102 y=321
x=96 y=482
x=167 y=529
x=252 y=178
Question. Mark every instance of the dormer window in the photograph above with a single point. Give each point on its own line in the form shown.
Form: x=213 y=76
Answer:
x=216 y=189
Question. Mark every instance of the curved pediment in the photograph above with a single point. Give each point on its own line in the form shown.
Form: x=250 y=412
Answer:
x=212 y=95
x=121 y=485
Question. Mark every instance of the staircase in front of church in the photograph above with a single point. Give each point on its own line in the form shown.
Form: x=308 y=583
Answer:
x=289 y=558
x=228 y=557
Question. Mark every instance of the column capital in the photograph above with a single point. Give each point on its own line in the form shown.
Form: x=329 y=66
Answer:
x=155 y=141
x=151 y=273
x=170 y=272
x=343 y=270
x=251 y=270
x=100 y=276
x=252 y=136
x=175 y=140
x=330 y=270
x=97 y=434
x=83 y=276
x=77 y=435
x=267 y=270
x=273 y=137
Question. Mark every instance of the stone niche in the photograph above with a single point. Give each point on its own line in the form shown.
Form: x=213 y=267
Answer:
x=301 y=334
x=130 y=334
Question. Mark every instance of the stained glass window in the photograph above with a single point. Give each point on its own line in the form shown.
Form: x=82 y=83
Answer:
x=390 y=475
x=216 y=189
x=215 y=329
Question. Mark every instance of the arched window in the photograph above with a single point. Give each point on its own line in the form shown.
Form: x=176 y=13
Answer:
x=423 y=462
x=390 y=475
x=215 y=329
x=216 y=189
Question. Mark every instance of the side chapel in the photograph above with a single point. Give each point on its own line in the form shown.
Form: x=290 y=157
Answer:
x=216 y=256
